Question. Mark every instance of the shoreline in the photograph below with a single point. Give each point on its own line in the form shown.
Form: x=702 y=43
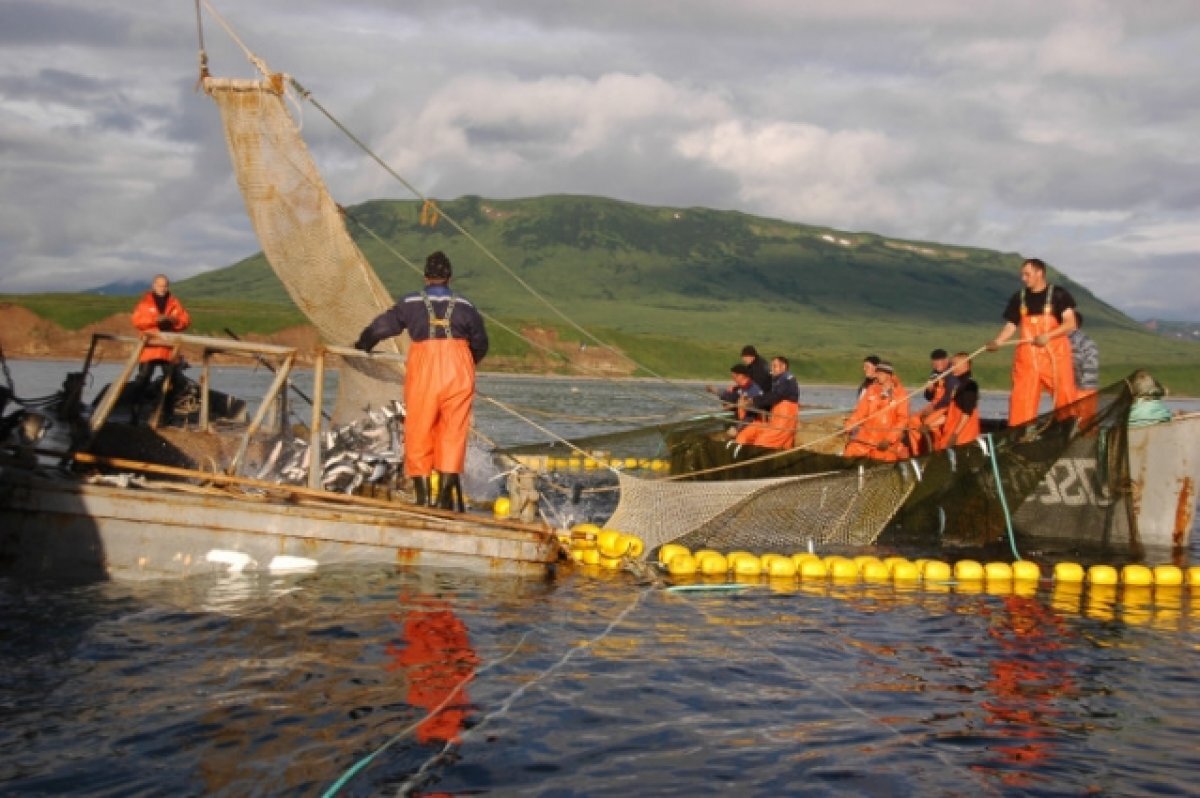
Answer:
x=689 y=382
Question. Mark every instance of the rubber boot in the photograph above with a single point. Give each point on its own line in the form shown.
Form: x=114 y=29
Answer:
x=450 y=496
x=421 y=488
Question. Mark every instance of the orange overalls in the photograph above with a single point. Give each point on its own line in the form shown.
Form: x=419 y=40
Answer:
x=145 y=319
x=1036 y=368
x=931 y=421
x=777 y=430
x=954 y=415
x=882 y=419
x=439 y=387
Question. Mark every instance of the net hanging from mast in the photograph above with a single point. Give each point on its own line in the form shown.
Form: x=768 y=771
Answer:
x=304 y=236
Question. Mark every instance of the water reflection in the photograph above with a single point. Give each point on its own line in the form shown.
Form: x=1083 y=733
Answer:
x=436 y=657
x=1028 y=678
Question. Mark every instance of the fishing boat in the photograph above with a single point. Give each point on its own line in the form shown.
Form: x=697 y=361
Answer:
x=171 y=496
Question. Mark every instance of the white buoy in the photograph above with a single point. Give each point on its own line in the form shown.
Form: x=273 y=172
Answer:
x=236 y=560
x=285 y=562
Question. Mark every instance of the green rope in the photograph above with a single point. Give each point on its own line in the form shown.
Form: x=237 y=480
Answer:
x=1012 y=541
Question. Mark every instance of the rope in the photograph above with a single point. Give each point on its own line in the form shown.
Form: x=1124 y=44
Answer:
x=492 y=319
x=357 y=767
x=419 y=778
x=541 y=429
x=824 y=438
x=1012 y=540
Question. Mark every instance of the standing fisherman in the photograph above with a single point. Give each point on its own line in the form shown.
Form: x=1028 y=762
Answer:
x=1045 y=316
x=157 y=311
x=448 y=340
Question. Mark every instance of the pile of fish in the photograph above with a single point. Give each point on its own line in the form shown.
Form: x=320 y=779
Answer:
x=368 y=451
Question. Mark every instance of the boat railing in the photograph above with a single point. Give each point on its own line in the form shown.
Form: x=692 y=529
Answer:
x=280 y=360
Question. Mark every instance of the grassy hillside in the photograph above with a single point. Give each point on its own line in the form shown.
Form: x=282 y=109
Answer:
x=682 y=289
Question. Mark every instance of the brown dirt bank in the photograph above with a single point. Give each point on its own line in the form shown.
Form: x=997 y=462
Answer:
x=25 y=335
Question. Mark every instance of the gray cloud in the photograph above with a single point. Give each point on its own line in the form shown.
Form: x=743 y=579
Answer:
x=1065 y=129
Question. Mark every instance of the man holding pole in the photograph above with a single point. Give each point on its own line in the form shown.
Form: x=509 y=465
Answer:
x=1044 y=315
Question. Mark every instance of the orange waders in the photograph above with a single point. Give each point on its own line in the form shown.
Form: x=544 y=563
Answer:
x=439 y=386
x=1038 y=368
x=970 y=430
x=776 y=431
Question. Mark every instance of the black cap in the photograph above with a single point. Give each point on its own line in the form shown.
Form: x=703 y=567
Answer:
x=437 y=266
x=749 y=351
x=740 y=368
x=938 y=354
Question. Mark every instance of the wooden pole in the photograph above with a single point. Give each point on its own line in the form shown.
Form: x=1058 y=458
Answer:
x=314 y=436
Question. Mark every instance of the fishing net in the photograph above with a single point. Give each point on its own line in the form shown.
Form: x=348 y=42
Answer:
x=1062 y=482
x=844 y=508
x=303 y=235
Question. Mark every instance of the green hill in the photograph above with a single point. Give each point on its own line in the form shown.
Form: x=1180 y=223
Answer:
x=682 y=289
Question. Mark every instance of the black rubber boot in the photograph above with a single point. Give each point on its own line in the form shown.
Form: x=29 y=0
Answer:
x=421 y=488
x=450 y=496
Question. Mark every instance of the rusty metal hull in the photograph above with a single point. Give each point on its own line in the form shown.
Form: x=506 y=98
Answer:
x=66 y=528
x=1164 y=466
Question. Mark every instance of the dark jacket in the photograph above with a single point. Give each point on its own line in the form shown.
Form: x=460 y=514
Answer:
x=760 y=372
x=784 y=388
x=410 y=314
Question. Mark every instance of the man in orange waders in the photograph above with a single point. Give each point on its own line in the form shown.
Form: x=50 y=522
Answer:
x=962 y=414
x=157 y=311
x=448 y=340
x=778 y=411
x=878 y=427
x=1044 y=315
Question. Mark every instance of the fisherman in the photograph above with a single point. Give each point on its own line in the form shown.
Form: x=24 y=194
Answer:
x=926 y=423
x=739 y=396
x=777 y=410
x=962 y=409
x=448 y=341
x=759 y=371
x=879 y=424
x=1044 y=315
x=868 y=366
x=157 y=311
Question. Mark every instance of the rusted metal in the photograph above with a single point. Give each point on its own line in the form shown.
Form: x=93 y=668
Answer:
x=1185 y=511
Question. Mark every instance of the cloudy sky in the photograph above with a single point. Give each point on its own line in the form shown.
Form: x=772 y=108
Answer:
x=1067 y=130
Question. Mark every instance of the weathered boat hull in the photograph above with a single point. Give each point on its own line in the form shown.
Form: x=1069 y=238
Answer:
x=63 y=528
x=1164 y=466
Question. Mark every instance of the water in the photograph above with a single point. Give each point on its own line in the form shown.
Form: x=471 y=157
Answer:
x=593 y=683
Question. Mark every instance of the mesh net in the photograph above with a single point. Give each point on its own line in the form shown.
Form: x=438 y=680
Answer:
x=845 y=508
x=303 y=235
x=1064 y=482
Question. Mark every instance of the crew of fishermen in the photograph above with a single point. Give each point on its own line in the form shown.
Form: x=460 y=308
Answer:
x=1052 y=356
x=449 y=339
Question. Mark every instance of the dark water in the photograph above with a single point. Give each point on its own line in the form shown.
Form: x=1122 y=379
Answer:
x=593 y=683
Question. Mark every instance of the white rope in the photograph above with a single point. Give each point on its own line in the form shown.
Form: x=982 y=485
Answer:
x=419 y=778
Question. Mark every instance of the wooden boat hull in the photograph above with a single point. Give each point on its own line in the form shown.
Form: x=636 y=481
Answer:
x=72 y=529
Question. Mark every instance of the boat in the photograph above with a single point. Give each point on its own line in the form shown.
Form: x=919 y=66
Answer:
x=165 y=499
x=1113 y=475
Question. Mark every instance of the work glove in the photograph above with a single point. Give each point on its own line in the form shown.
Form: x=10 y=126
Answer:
x=1042 y=339
x=364 y=343
x=166 y=323
x=992 y=346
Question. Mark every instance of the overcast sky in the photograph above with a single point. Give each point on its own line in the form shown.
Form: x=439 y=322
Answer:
x=1066 y=130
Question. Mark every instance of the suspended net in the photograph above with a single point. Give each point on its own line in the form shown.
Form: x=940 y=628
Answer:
x=1063 y=484
x=844 y=508
x=303 y=235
